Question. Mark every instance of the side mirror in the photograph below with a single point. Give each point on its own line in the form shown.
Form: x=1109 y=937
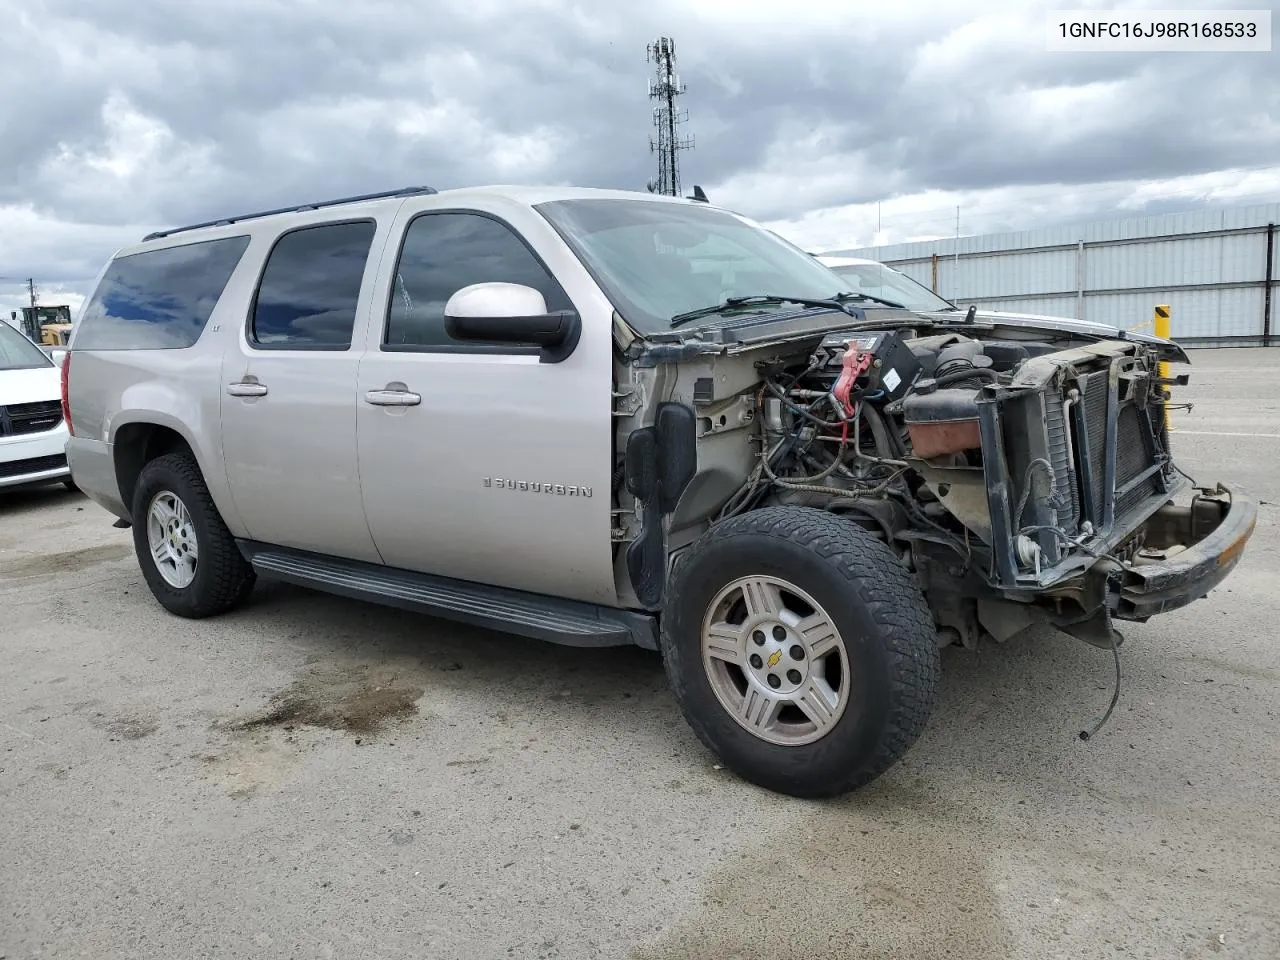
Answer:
x=511 y=313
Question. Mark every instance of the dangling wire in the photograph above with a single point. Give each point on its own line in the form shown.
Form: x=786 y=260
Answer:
x=1087 y=735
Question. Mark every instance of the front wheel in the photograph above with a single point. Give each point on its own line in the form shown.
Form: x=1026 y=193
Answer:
x=800 y=649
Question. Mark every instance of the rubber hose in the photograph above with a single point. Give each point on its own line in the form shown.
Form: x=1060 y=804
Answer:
x=970 y=373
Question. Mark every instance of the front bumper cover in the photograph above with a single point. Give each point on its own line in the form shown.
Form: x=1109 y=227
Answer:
x=34 y=458
x=1188 y=551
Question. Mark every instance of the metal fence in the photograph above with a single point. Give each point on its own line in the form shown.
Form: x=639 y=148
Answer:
x=1218 y=269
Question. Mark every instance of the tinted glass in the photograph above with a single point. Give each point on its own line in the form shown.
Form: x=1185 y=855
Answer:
x=656 y=259
x=444 y=252
x=307 y=297
x=158 y=299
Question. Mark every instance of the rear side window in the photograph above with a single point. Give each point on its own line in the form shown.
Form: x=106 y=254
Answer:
x=310 y=287
x=444 y=252
x=158 y=299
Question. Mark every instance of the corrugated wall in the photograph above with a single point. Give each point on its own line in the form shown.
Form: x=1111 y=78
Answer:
x=1210 y=266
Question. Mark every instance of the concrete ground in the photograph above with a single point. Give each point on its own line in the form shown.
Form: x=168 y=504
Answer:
x=312 y=777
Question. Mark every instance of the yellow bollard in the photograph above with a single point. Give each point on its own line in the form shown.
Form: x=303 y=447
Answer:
x=1163 y=329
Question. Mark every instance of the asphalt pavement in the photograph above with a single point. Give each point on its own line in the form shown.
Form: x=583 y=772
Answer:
x=313 y=777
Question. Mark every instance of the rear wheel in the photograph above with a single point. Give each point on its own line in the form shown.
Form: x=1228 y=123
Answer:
x=800 y=649
x=187 y=555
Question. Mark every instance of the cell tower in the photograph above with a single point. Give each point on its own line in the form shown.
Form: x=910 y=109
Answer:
x=663 y=90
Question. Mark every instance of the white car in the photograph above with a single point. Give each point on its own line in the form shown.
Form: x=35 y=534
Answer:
x=33 y=433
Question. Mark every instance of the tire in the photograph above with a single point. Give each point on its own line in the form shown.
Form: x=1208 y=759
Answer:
x=71 y=485
x=220 y=577
x=873 y=688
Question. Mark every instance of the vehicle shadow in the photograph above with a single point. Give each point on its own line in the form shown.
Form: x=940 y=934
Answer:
x=998 y=706
x=324 y=625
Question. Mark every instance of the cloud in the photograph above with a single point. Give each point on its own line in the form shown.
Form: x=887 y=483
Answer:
x=68 y=253
x=122 y=117
x=930 y=215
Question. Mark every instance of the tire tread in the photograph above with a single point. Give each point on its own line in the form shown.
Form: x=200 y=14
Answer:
x=224 y=578
x=887 y=590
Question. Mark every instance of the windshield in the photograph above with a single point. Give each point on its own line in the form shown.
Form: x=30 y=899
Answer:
x=19 y=353
x=657 y=260
x=880 y=281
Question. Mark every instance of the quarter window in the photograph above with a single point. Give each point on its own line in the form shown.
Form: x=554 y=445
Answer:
x=309 y=290
x=444 y=252
x=158 y=299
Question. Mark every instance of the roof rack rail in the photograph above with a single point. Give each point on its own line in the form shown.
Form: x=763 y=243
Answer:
x=225 y=221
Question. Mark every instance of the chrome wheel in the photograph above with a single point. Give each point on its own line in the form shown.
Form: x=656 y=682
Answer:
x=775 y=660
x=172 y=538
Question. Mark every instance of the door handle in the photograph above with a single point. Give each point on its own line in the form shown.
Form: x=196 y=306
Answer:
x=393 y=398
x=246 y=389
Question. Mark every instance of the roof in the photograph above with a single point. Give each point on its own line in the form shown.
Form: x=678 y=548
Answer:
x=528 y=195
x=547 y=194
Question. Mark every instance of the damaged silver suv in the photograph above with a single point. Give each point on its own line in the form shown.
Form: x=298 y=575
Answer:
x=600 y=418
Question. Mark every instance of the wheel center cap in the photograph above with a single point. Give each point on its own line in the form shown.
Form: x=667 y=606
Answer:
x=772 y=662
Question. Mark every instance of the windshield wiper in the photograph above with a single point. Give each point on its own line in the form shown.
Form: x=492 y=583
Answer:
x=867 y=296
x=735 y=303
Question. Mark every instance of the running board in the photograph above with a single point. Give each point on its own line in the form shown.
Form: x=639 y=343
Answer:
x=567 y=622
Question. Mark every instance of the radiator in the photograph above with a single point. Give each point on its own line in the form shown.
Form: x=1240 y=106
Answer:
x=1077 y=446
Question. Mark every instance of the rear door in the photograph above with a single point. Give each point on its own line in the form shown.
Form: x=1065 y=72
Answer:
x=289 y=387
x=498 y=469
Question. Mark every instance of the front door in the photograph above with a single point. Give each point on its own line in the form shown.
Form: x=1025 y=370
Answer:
x=478 y=462
x=288 y=403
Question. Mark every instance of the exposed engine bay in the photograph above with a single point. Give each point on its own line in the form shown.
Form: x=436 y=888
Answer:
x=890 y=429
x=1017 y=472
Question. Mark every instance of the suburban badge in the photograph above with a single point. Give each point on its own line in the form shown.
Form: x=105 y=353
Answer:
x=536 y=486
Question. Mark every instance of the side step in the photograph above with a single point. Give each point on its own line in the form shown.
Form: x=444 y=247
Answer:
x=567 y=622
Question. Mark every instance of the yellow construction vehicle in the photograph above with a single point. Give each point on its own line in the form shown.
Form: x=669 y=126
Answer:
x=47 y=325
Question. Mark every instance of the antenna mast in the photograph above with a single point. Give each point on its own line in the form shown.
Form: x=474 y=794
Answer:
x=663 y=90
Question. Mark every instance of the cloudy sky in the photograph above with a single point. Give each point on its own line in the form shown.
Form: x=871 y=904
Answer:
x=840 y=123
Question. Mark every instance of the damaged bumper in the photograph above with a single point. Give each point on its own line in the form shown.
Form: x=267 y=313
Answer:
x=1188 y=550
